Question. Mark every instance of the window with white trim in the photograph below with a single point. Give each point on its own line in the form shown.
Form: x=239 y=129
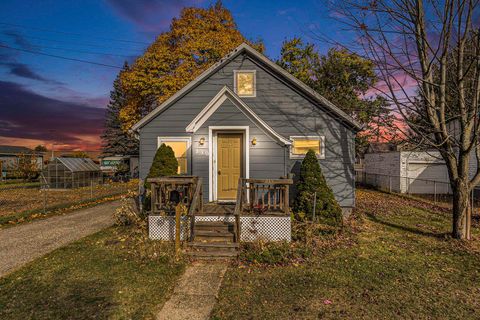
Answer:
x=301 y=145
x=245 y=83
x=180 y=147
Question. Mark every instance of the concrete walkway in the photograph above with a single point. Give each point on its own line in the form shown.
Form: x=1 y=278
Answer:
x=25 y=242
x=196 y=292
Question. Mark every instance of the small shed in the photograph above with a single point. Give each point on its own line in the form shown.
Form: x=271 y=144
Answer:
x=64 y=173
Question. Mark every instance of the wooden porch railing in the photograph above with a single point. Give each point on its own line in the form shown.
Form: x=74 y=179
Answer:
x=261 y=196
x=195 y=206
x=168 y=192
x=162 y=189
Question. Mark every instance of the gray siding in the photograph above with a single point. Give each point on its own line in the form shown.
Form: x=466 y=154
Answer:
x=278 y=104
x=267 y=158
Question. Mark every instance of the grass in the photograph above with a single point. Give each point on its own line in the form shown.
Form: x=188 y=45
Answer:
x=399 y=263
x=19 y=205
x=107 y=275
x=18 y=184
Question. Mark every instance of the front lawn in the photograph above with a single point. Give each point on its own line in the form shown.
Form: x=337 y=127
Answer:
x=399 y=262
x=110 y=274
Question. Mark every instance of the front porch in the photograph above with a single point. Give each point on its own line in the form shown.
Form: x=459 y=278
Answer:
x=261 y=211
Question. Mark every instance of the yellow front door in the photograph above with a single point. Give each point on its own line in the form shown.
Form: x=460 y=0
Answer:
x=229 y=164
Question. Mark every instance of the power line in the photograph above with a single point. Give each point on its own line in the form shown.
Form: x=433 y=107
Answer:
x=61 y=57
x=72 y=33
x=82 y=51
x=11 y=34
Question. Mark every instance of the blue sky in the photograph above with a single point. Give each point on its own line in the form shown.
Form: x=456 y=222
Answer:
x=38 y=91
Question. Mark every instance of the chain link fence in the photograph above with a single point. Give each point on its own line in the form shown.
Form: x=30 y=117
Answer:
x=23 y=200
x=438 y=192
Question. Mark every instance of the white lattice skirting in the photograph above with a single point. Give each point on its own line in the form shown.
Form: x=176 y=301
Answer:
x=163 y=228
x=251 y=228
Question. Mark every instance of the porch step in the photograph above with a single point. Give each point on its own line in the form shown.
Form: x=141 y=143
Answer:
x=213 y=236
x=213 y=246
x=207 y=255
x=218 y=226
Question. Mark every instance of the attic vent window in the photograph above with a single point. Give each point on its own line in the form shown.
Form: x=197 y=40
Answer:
x=245 y=83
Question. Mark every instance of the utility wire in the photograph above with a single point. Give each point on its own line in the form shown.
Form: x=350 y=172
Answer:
x=60 y=57
x=71 y=33
x=11 y=34
x=83 y=51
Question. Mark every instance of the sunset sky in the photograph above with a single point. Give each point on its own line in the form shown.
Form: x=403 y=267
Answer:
x=55 y=100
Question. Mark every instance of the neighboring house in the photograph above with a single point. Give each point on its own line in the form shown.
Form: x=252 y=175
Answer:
x=247 y=117
x=9 y=157
x=109 y=164
x=398 y=169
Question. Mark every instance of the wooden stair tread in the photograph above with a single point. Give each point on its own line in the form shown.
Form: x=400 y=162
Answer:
x=215 y=214
x=213 y=244
x=212 y=253
x=213 y=223
x=213 y=233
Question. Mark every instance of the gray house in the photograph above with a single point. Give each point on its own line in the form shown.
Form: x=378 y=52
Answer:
x=247 y=117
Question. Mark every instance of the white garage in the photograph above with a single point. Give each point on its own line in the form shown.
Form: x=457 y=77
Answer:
x=427 y=178
x=416 y=172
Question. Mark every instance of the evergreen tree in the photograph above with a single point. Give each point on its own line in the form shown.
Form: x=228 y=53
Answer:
x=115 y=139
x=40 y=148
x=164 y=163
x=312 y=180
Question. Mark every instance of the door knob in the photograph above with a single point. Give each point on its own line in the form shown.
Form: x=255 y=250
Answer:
x=219 y=171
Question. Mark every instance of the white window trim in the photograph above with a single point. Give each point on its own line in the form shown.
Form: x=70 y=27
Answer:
x=212 y=155
x=186 y=139
x=317 y=138
x=254 y=83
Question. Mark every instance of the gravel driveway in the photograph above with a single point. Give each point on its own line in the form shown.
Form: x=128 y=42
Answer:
x=22 y=244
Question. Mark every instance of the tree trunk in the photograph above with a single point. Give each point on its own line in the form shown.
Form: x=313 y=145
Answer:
x=461 y=210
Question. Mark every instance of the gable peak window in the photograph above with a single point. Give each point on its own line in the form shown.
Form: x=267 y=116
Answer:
x=245 y=83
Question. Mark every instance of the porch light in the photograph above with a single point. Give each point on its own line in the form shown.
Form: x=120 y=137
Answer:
x=202 y=141
x=254 y=141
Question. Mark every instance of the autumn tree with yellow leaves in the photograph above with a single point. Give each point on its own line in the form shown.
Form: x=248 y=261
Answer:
x=196 y=40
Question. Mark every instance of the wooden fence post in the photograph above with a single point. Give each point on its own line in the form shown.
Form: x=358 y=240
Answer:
x=178 y=213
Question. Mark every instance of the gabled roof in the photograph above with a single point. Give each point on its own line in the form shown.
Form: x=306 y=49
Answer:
x=254 y=53
x=79 y=164
x=15 y=150
x=224 y=94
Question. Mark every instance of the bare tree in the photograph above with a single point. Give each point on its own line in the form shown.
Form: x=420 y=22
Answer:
x=428 y=59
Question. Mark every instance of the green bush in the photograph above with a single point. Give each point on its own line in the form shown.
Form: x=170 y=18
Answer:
x=164 y=164
x=311 y=180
